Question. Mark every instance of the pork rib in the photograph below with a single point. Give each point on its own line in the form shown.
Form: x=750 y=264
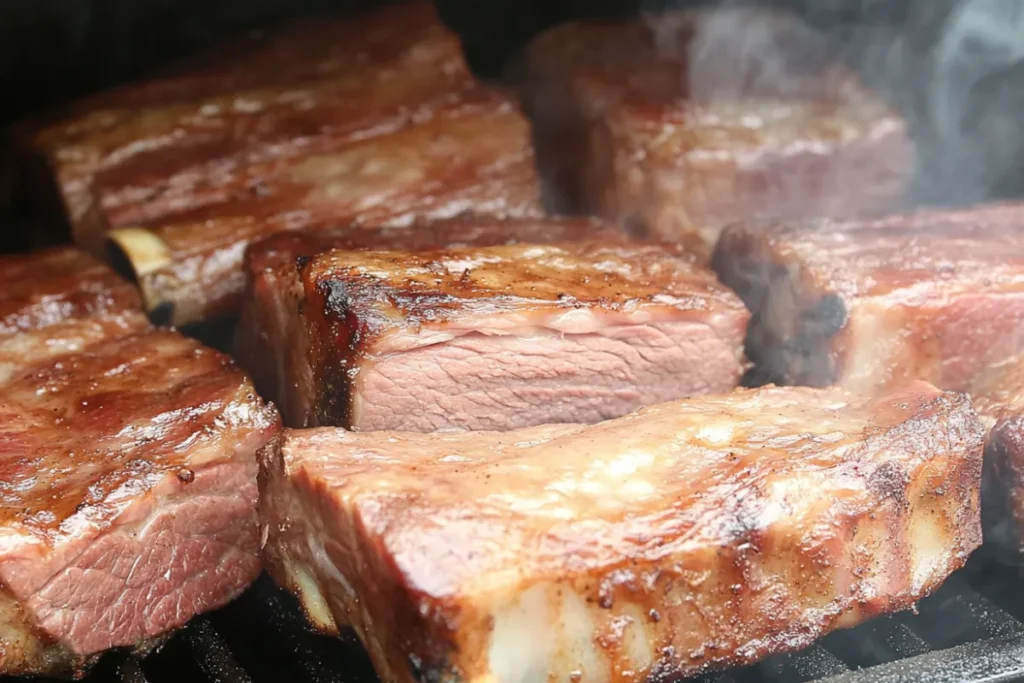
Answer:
x=509 y=336
x=187 y=140
x=934 y=295
x=685 y=537
x=272 y=341
x=128 y=473
x=674 y=132
x=472 y=153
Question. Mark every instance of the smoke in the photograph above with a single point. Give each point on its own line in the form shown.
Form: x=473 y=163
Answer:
x=955 y=69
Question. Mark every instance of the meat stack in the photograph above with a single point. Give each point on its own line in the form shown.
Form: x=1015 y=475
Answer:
x=373 y=213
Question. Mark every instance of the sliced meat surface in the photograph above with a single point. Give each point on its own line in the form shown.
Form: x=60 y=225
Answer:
x=685 y=537
x=508 y=336
x=272 y=339
x=186 y=141
x=933 y=295
x=127 y=473
x=665 y=125
x=472 y=154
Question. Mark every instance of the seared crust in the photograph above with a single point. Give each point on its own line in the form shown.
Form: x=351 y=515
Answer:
x=272 y=342
x=365 y=306
x=932 y=295
x=53 y=285
x=666 y=127
x=685 y=537
x=184 y=141
x=472 y=153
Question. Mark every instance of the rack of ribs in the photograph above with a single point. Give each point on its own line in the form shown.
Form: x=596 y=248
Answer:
x=685 y=537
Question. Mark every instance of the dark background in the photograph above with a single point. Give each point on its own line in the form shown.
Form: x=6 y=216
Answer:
x=962 y=90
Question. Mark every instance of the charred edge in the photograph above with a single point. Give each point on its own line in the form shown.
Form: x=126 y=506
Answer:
x=800 y=356
x=339 y=342
x=1003 y=491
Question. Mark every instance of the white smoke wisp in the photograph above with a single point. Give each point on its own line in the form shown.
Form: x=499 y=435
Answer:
x=955 y=68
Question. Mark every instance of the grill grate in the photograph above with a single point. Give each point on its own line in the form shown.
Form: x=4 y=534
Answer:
x=971 y=630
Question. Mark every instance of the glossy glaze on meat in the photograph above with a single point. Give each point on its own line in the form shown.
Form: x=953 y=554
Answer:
x=932 y=295
x=672 y=131
x=472 y=154
x=685 y=537
x=127 y=469
x=511 y=336
x=186 y=140
x=53 y=285
x=272 y=341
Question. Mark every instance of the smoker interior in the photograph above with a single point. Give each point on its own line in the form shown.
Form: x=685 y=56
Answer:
x=971 y=630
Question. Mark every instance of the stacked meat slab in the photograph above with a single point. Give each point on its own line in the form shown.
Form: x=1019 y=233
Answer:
x=517 y=446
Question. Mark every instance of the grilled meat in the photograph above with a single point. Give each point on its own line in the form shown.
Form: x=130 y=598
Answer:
x=507 y=336
x=472 y=154
x=684 y=537
x=53 y=285
x=127 y=502
x=272 y=342
x=186 y=140
x=931 y=295
x=666 y=126
x=998 y=396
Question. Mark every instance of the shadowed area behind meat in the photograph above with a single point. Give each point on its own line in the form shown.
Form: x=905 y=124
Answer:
x=687 y=536
x=508 y=336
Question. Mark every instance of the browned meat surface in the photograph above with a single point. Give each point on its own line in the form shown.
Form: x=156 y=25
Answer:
x=687 y=536
x=998 y=395
x=186 y=140
x=472 y=154
x=53 y=285
x=272 y=342
x=932 y=295
x=506 y=336
x=127 y=472
x=677 y=132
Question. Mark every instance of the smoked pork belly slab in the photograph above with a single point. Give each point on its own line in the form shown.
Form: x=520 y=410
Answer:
x=936 y=295
x=473 y=153
x=188 y=140
x=272 y=339
x=676 y=132
x=504 y=336
x=687 y=536
x=127 y=469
